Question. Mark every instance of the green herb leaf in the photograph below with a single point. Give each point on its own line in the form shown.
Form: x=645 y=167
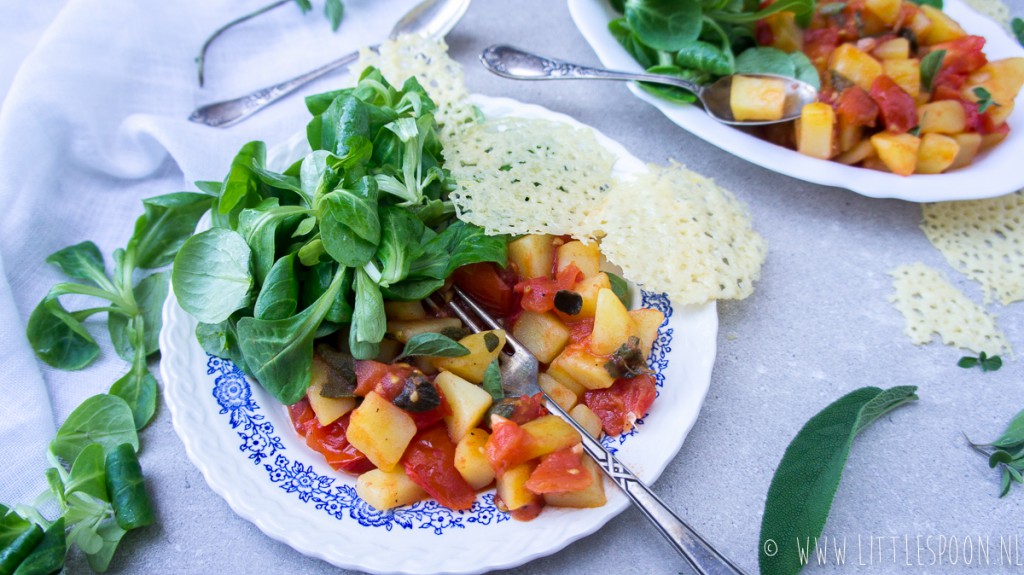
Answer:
x=108 y=535
x=492 y=381
x=127 y=488
x=665 y=25
x=279 y=297
x=628 y=39
x=167 y=221
x=705 y=57
x=241 y=180
x=620 y=287
x=211 y=275
x=930 y=66
x=801 y=492
x=149 y=295
x=49 y=552
x=58 y=337
x=103 y=419
x=82 y=261
x=18 y=538
x=984 y=361
x=984 y=99
x=805 y=70
x=349 y=224
x=334 y=10
x=1018 y=30
x=933 y=3
x=88 y=473
x=763 y=60
x=433 y=345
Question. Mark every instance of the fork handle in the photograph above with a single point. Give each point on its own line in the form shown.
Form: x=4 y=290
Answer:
x=702 y=557
x=228 y=112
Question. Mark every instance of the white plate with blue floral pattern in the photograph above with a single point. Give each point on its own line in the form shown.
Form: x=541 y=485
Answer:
x=242 y=441
x=993 y=173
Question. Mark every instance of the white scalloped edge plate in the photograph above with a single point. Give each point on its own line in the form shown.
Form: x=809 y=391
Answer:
x=242 y=441
x=993 y=173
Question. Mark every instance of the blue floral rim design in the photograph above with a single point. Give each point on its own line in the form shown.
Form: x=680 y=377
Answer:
x=261 y=445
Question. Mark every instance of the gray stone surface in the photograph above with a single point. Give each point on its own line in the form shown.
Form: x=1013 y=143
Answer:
x=818 y=325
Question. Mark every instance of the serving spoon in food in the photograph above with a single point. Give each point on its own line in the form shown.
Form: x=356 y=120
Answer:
x=430 y=18
x=510 y=62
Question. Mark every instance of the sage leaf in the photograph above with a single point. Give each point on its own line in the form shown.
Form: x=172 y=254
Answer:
x=805 y=482
x=103 y=419
x=211 y=275
x=929 y=67
x=620 y=288
x=492 y=381
x=433 y=345
x=1018 y=30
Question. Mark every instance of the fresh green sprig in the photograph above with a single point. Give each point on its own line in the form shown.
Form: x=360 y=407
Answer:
x=930 y=66
x=1006 y=453
x=334 y=11
x=1017 y=25
x=985 y=100
x=984 y=361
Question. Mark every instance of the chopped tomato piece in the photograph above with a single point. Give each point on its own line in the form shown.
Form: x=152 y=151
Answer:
x=819 y=44
x=899 y=111
x=528 y=512
x=429 y=461
x=856 y=107
x=538 y=294
x=580 y=330
x=963 y=55
x=560 y=471
x=386 y=380
x=331 y=442
x=763 y=33
x=425 y=419
x=528 y=408
x=507 y=446
x=486 y=284
x=302 y=415
x=620 y=405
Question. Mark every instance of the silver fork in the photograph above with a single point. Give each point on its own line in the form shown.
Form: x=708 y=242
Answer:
x=519 y=377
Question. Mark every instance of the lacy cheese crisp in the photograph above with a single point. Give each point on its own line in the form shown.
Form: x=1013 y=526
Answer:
x=984 y=240
x=931 y=305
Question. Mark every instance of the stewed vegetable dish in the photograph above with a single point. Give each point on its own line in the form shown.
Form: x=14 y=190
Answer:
x=427 y=417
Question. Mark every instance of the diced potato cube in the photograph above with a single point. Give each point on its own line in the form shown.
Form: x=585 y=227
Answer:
x=612 y=324
x=588 y=289
x=893 y=49
x=815 y=131
x=855 y=65
x=757 y=98
x=873 y=162
x=542 y=333
x=472 y=367
x=387 y=489
x=565 y=379
x=587 y=257
x=647 y=322
x=897 y=151
x=942 y=29
x=327 y=409
x=560 y=394
x=905 y=73
x=592 y=496
x=380 y=430
x=511 y=486
x=583 y=367
x=471 y=459
x=999 y=114
x=548 y=434
x=968 y=145
x=404 y=310
x=942 y=117
x=1001 y=78
x=886 y=10
x=404 y=330
x=936 y=154
x=989 y=140
x=919 y=24
x=468 y=402
x=533 y=255
x=857 y=154
x=587 y=419
x=787 y=35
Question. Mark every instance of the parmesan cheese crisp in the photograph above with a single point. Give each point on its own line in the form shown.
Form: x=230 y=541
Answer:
x=984 y=240
x=931 y=305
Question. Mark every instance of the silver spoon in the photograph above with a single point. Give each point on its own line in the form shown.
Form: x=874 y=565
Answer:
x=430 y=18
x=514 y=63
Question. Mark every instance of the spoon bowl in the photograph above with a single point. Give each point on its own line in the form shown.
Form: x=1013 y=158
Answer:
x=509 y=62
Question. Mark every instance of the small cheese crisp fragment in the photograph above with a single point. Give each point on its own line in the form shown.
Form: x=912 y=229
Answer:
x=675 y=231
x=984 y=240
x=413 y=55
x=931 y=305
x=528 y=176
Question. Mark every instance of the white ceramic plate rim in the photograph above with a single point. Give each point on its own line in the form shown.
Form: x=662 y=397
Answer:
x=994 y=173
x=213 y=446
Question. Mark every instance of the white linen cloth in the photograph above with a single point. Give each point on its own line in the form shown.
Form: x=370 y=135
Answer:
x=95 y=121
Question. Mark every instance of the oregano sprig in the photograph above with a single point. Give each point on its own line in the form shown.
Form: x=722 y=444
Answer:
x=1006 y=453
x=984 y=361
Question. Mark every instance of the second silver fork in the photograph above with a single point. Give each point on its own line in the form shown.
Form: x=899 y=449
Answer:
x=519 y=377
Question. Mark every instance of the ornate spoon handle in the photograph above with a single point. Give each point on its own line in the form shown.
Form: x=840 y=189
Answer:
x=702 y=557
x=222 y=114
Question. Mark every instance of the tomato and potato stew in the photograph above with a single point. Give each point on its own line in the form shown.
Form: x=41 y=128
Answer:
x=413 y=425
x=904 y=89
